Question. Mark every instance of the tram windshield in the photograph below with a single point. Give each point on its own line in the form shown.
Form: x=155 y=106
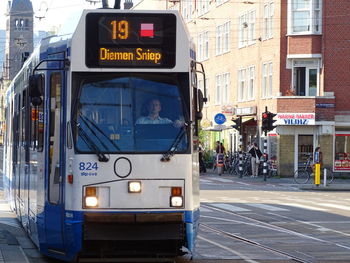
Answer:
x=130 y=112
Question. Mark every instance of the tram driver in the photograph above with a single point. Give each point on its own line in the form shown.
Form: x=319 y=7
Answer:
x=154 y=108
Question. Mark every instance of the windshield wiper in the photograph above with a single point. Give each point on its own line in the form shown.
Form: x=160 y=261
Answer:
x=91 y=144
x=85 y=119
x=175 y=144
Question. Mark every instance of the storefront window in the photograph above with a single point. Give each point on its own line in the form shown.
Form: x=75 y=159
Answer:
x=342 y=152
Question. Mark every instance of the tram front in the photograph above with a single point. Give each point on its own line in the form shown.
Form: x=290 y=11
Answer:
x=132 y=185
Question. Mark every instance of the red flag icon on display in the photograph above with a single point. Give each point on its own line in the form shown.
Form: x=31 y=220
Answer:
x=147 y=30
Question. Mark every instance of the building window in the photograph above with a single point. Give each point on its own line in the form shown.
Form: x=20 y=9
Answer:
x=268 y=20
x=342 y=151
x=267 y=72
x=222 y=83
x=246 y=29
x=218 y=89
x=203 y=7
x=226 y=87
x=251 y=27
x=187 y=10
x=251 y=81
x=200 y=47
x=304 y=17
x=220 y=2
x=241 y=85
x=306 y=77
x=223 y=38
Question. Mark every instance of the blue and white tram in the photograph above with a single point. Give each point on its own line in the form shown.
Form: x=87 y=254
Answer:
x=85 y=176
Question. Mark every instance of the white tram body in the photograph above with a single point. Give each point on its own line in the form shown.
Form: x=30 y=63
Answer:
x=84 y=175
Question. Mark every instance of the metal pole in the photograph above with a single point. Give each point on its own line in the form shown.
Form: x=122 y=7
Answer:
x=265 y=153
x=265 y=159
x=240 y=164
x=324 y=177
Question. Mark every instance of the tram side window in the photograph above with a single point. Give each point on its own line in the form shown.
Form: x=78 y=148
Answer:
x=23 y=117
x=54 y=153
x=37 y=124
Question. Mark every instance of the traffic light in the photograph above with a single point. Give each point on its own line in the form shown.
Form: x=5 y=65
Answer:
x=265 y=121
x=271 y=121
x=238 y=123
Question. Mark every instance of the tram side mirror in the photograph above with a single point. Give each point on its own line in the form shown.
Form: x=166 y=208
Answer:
x=36 y=87
x=200 y=103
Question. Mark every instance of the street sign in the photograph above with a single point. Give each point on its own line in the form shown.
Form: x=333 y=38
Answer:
x=220 y=118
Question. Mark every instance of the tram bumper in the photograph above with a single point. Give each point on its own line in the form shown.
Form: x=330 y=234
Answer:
x=133 y=234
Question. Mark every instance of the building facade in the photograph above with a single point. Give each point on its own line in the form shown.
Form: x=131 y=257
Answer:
x=290 y=57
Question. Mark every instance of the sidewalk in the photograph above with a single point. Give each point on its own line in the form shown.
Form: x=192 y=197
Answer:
x=337 y=185
x=15 y=246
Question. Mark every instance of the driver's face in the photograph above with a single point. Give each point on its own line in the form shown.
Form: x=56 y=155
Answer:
x=154 y=106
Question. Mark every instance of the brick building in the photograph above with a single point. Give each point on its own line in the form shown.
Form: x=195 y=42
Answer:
x=291 y=56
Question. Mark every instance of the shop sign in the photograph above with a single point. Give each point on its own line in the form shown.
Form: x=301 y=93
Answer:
x=245 y=111
x=295 y=119
x=227 y=109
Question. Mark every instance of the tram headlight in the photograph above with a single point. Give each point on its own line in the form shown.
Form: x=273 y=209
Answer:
x=176 y=201
x=134 y=187
x=90 y=199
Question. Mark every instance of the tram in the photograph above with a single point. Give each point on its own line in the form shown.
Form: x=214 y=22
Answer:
x=101 y=141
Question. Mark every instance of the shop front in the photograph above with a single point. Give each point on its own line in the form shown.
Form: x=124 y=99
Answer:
x=297 y=137
x=250 y=129
x=342 y=151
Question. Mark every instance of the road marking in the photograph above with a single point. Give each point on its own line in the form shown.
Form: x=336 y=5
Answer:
x=231 y=208
x=245 y=258
x=243 y=183
x=205 y=181
x=203 y=209
x=314 y=238
x=305 y=206
x=268 y=207
x=223 y=180
x=341 y=207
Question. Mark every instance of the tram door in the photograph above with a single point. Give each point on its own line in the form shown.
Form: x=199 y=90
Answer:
x=55 y=206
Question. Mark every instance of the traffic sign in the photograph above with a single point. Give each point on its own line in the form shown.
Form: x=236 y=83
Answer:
x=220 y=118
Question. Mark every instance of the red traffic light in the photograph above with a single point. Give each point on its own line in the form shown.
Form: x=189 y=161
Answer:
x=265 y=115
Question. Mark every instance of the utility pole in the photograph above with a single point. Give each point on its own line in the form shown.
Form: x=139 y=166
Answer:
x=266 y=125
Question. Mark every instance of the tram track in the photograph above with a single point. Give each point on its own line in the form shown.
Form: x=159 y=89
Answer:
x=249 y=220
x=256 y=244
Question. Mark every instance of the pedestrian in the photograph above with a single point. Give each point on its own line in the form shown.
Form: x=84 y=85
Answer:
x=255 y=160
x=220 y=147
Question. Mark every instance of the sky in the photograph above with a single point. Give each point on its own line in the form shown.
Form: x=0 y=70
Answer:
x=58 y=11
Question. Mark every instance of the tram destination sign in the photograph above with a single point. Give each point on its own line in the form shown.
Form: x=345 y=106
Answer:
x=130 y=40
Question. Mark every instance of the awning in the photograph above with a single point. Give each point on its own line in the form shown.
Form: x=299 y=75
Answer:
x=217 y=128
x=247 y=118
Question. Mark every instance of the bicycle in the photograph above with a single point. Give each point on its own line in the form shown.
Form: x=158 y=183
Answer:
x=303 y=175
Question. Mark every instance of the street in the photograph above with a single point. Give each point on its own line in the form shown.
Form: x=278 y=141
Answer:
x=253 y=221
x=242 y=220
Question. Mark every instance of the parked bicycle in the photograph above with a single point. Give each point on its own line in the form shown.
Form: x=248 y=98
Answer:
x=303 y=174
